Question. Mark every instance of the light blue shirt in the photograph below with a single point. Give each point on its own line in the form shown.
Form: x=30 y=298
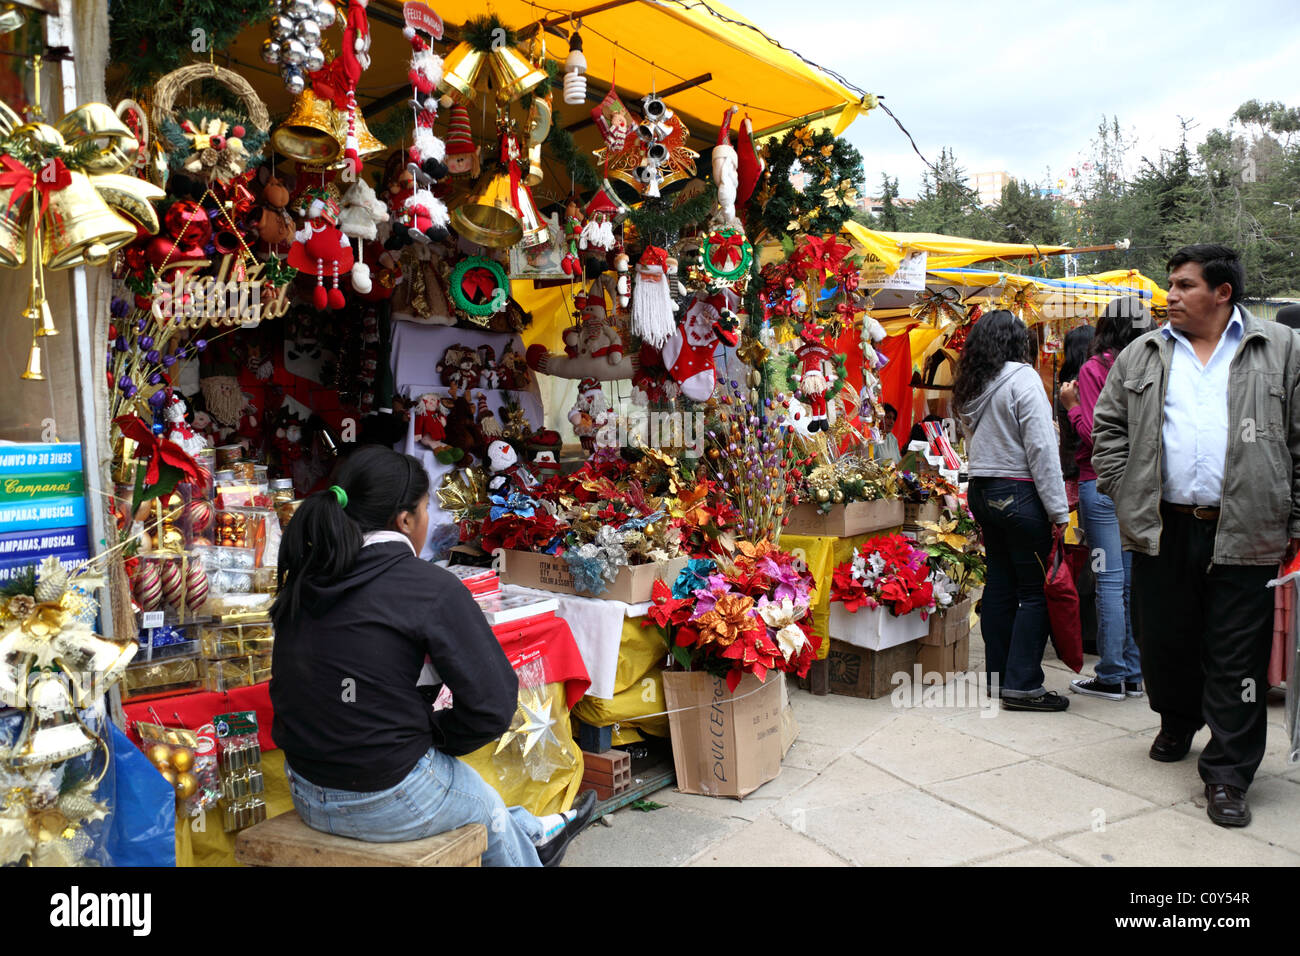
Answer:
x=1195 y=426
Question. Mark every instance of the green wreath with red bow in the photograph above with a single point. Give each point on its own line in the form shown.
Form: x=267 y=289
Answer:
x=479 y=286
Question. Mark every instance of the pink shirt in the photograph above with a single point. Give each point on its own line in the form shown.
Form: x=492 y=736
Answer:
x=1091 y=379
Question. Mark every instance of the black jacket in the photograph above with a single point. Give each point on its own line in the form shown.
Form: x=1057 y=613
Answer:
x=347 y=712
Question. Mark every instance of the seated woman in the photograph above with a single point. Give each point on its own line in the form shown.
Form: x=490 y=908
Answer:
x=356 y=614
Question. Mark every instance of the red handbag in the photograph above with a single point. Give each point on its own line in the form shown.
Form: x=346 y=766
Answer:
x=1063 y=605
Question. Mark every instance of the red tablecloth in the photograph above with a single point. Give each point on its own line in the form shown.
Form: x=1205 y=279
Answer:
x=522 y=640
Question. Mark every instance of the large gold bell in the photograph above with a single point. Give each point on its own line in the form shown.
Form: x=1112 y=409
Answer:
x=488 y=216
x=53 y=731
x=461 y=69
x=13 y=231
x=307 y=133
x=512 y=74
x=92 y=663
x=79 y=228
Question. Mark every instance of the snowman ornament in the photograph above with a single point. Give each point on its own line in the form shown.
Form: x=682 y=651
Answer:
x=688 y=355
x=508 y=475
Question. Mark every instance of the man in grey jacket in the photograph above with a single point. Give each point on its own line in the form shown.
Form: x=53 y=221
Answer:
x=1196 y=438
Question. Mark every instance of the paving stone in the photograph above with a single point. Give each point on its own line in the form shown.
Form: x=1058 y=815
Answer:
x=667 y=837
x=1037 y=800
x=904 y=828
x=1034 y=856
x=810 y=756
x=753 y=806
x=837 y=721
x=847 y=780
x=925 y=751
x=1122 y=763
x=1273 y=803
x=766 y=843
x=1034 y=733
x=1170 y=837
x=1131 y=713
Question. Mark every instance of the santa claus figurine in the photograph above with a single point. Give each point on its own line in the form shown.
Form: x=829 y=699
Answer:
x=688 y=355
x=320 y=246
x=508 y=475
x=816 y=376
x=652 y=303
x=178 y=431
x=431 y=429
x=590 y=413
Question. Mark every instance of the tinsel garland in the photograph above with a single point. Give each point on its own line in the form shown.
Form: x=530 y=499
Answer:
x=834 y=177
x=151 y=38
x=487 y=33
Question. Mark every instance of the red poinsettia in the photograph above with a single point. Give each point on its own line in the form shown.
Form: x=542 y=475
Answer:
x=520 y=534
x=889 y=571
x=754 y=652
x=666 y=610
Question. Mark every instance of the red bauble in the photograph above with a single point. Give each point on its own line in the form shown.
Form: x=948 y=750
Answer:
x=188 y=224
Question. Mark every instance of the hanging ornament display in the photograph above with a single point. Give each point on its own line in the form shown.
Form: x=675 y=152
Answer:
x=294 y=43
x=833 y=177
x=595 y=349
x=817 y=374
x=575 y=72
x=598 y=232
x=533 y=226
x=320 y=247
x=941 y=308
x=726 y=177
x=656 y=156
x=614 y=121
x=462 y=156
x=487 y=56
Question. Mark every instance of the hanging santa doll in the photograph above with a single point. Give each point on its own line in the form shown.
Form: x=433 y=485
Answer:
x=652 y=303
x=590 y=413
x=816 y=375
x=688 y=355
x=320 y=247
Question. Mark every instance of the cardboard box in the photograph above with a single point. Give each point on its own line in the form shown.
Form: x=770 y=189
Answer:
x=950 y=626
x=724 y=744
x=550 y=573
x=947 y=659
x=843 y=521
x=859 y=672
x=916 y=514
x=875 y=628
x=789 y=726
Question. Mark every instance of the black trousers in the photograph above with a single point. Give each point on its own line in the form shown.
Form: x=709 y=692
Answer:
x=1205 y=633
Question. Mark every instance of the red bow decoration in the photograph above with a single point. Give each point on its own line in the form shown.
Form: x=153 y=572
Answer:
x=848 y=310
x=727 y=252
x=160 y=453
x=478 y=285
x=821 y=256
x=21 y=180
x=236 y=192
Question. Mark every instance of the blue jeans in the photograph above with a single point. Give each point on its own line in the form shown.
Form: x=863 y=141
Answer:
x=1113 y=566
x=1013 y=612
x=438 y=795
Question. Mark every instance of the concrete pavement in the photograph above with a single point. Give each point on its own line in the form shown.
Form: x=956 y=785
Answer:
x=876 y=783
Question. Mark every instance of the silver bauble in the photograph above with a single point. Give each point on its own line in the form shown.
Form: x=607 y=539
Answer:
x=281 y=27
x=324 y=14
x=294 y=81
x=299 y=9
x=293 y=52
x=271 y=51
x=308 y=32
x=315 y=60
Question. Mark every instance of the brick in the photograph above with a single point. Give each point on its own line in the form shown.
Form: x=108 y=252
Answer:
x=608 y=762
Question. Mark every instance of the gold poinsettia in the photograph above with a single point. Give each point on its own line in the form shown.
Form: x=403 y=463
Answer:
x=754 y=353
x=726 y=620
x=944 y=531
x=463 y=493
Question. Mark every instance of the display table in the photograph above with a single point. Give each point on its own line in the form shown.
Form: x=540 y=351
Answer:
x=202 y=842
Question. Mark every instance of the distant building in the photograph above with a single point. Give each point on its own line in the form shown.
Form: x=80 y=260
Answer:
x=876 y=205
x=989 y=186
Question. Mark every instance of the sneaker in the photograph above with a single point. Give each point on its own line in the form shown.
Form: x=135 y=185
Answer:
x=1049 y=702
x=1133 y=688
x=551 y=853
x=1094 y=687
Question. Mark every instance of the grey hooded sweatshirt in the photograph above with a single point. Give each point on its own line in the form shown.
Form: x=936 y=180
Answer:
x=1009 y=434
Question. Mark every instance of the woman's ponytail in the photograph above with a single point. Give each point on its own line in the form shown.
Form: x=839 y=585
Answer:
x=321 y=543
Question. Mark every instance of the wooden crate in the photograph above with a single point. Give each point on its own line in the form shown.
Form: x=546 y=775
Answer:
x=859 y=672
x=844 y=521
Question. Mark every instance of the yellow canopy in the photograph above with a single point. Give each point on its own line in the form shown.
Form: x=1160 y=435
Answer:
x=887 y=249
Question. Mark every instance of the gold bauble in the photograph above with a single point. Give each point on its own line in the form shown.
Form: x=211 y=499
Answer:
x=839 y=496
x=169 y=777
x=186 y=784
x=823 y=494
x=159 y=755
x=182 y=760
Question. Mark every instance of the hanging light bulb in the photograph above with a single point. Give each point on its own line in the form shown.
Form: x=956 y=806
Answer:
x=575 y=69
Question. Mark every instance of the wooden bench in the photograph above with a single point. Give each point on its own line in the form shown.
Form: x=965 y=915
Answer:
x=287 y=841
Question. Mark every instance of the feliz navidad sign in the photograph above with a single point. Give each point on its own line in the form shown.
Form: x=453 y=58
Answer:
x=193 y=301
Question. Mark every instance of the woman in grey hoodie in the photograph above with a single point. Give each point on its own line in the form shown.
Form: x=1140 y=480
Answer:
x=1016 y=494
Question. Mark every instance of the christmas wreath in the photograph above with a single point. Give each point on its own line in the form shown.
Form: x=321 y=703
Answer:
x=727 y=255
x=834 y=176
x=479 y=286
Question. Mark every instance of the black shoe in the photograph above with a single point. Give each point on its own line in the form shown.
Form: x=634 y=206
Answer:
x=1094 y=687
x=1226 y=805
x=1133 y=688
x=1169 y=747
x=552 y=852
x=1048 y=702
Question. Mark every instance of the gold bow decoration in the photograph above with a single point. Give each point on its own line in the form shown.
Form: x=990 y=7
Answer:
x=941 y=309
x=1023 y=304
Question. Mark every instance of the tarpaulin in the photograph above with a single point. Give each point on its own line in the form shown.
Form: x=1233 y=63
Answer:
x=945 y=252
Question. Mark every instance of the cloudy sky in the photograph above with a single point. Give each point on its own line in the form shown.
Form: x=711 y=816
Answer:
x=1023 y=86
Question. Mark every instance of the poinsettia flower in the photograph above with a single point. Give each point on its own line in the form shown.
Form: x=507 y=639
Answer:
x=782 y=618
x=666 y=610
x=727 y=620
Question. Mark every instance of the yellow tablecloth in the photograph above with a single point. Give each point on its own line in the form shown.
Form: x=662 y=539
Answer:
x=201 y=841
x=822 y=555
x=638 y=687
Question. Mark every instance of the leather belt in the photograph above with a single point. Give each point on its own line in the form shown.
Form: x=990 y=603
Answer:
x=1200 y=512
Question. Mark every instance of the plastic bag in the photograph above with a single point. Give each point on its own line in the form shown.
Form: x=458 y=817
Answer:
x=142 y=828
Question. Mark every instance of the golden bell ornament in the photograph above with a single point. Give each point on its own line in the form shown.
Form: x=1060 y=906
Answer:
x=53 y=731
x=38 y=312
x=488 y=217
x=15 y=664
x=92 y=663
x=33 y=372
x=534 y=226
x=79 y=228
x=367 y=145
x=13 y=232
x=512 y=74
x=461 y=69
x=307 y=133
x=534 y=177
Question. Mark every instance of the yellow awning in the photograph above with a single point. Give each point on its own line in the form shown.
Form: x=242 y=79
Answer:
x=888 y=249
